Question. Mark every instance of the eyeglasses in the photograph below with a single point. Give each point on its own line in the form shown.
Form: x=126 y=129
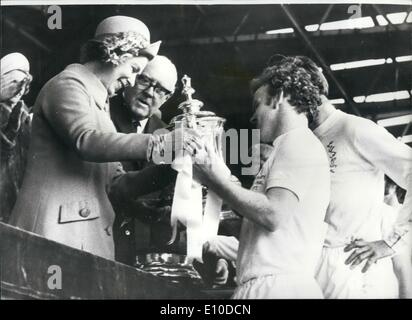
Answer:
x=145 y=83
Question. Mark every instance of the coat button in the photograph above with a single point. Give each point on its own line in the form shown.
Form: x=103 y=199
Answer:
x=84 y=213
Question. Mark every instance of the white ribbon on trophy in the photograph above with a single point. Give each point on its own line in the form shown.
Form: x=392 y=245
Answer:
x=187 y=204
x=187 y=208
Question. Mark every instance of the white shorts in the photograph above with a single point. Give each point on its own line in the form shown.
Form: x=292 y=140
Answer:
x=283 y=286
x=338 y=281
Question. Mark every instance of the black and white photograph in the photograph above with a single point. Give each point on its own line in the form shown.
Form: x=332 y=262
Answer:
x=221 y=151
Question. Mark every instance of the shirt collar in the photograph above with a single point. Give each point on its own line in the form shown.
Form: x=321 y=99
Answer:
x=328 y=123
x=143 y=123
x=136 y=123
x=93 y=85
x=288 y=133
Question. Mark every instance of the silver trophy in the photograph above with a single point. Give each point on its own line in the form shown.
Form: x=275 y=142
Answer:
x=207 y=123
x=173 y=264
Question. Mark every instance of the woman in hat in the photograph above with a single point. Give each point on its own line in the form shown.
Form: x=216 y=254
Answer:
x=75 y=149
x=15 y=125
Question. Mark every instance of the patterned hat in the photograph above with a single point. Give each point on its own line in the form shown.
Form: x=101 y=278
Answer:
x=127 y=34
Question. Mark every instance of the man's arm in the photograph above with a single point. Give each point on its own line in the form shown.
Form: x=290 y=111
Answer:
x=223 y=246
x=125 y=187
x=394 y=158
x=267 y=210
x=138 y=183
x=403 y=271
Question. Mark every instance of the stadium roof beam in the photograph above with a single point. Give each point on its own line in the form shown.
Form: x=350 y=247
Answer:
x=319 y=57
x=204 y=14
x=379 y=11
x=27 y=35
x=406 y=129
x=241 y=23
x=262 y=36
x=326 y=14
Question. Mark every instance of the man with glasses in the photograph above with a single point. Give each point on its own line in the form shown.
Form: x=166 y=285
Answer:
x=137 y=110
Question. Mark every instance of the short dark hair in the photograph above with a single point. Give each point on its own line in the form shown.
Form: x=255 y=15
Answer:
x=287 y=74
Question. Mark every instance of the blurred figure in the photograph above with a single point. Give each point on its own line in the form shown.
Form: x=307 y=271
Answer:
x=394 y=196
x=402 y=262
x=15 y=127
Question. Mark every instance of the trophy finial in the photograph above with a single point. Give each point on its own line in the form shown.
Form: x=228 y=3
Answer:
x=190 y=105
x=188 y=91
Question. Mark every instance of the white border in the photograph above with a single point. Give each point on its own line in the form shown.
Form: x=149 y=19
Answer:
x=196 y=2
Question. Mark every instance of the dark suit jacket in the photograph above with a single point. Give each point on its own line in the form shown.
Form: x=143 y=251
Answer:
x=123 y=123
x=131 y=235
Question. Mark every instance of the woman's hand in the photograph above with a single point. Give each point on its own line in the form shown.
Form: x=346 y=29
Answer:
x=208 y=166
x=164 y=148
x=12 y=84
x=13 y=125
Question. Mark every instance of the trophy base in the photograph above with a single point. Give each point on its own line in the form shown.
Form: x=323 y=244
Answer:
x=171 y=266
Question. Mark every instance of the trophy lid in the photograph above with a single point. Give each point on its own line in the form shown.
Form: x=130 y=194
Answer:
x=192 y=115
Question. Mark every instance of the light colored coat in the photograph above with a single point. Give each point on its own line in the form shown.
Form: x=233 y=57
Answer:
x=73 y=164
